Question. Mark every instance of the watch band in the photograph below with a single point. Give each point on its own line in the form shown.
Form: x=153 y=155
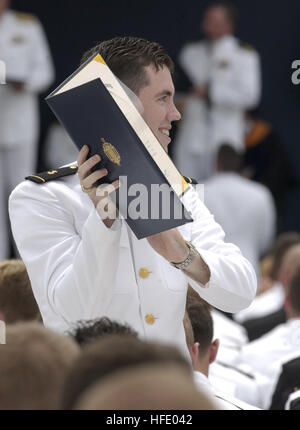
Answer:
x=192 y=252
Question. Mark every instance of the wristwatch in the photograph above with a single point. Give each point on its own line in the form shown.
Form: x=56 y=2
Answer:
x=192 y=252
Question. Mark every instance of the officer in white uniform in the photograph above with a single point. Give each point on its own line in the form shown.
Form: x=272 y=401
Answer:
x=84 y=266
x=226 y=80
x=29 y=71
x=244 y=208
x=266 y=354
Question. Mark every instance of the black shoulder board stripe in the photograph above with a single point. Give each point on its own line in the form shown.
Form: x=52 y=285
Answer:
x=242 y=372
x=50 y=175
x=190 y=180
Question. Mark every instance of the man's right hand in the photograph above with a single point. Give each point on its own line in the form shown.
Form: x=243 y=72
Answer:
x=88 y=182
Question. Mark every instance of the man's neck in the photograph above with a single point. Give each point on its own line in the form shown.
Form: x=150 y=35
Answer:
x=202 y=367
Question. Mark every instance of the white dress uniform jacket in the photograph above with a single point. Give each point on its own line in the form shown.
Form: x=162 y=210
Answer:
x=25 y=52
x=266 y=354
x=246 y=211
x=223 y=401
x=232 y=337
x=232 y=72
x=80 y=269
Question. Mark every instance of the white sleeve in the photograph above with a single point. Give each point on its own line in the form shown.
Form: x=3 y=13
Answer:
x=41 y=65
x=239 y=84
x=232 y=285
x=72 y=274
x=193 y=61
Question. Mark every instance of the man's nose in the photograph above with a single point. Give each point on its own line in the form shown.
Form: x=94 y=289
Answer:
x=174 y=114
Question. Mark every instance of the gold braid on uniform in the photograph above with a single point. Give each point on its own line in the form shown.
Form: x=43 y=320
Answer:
x=50 y=175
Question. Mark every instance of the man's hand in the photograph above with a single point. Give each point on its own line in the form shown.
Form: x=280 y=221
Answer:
x=171 y=245
x=88 y=182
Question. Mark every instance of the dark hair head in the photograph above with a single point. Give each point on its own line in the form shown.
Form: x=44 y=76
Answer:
x=202 y=323
x=294 y=291
x=231 y=11
x=229 y=160
x=85 y=331
x=127 y=58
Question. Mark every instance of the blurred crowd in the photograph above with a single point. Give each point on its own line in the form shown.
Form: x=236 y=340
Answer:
x=244 y=361
x=248 y=360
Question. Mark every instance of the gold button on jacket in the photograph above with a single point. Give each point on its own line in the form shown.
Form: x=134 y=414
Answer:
x=144 y=273
x=150 y=319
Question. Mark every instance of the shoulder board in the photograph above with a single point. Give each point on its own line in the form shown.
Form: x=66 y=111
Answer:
x=246 y=46
x=22 y=16
x=190 y=180
x=50 y=175
x=242 y=372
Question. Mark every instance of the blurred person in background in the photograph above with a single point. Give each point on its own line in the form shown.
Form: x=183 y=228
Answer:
x=226 y=81
x=266 y=354
x=17 y=302
x=59 y=148
x=270 y=296
x=29 y=71
x=267 y=161
x=256 y=327
x=244 y=208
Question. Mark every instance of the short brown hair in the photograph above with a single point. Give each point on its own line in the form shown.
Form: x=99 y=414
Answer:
x=33 y=365
x=294 y=291
x=283 y=243
x=111 y=353
x=158 y=386
x=202 y=323
x=127 y=57
x=17 y=301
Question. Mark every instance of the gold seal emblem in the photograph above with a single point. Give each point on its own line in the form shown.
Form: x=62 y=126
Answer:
x=111 y=152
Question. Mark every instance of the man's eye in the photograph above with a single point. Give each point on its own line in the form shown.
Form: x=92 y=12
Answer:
x=163 y=99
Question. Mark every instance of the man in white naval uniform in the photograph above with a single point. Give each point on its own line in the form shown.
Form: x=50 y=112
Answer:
x=29 y=71
x=253 y=226
x=83 y=265
x=225 y=77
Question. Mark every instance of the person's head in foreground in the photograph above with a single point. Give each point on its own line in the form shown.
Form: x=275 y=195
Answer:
x=109 y=354
x=159 y=386
x=33 y=365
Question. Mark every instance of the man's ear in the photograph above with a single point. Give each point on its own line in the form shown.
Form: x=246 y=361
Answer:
x=214 y=347
x=194 y=352
x=2 y=316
